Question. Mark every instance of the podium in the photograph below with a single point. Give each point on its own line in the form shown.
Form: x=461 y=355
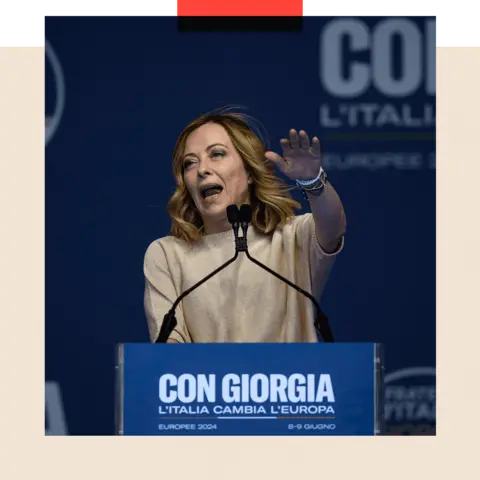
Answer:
x=249 y=389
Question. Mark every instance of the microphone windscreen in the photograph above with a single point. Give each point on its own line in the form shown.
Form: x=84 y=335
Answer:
x=245 y=213
x=233 y=214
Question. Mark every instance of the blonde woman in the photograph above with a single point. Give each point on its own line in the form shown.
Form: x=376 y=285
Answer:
x=220 y=160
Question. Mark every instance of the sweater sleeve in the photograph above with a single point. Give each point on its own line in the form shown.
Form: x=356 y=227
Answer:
x=319 y=262
x=160 y=294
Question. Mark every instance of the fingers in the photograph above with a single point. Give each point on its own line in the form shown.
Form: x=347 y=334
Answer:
x=285 y=144
x=294 y=140
x=304 y=140
x=300 y=140
x=277 y=160
x=316 y=146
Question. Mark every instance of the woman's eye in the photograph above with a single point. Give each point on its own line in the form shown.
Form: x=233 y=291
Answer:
x=218 y=153
x=187 y=163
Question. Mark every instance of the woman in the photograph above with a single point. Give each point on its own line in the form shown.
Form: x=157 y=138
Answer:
x=219 y=160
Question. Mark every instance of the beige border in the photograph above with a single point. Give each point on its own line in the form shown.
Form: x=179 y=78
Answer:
x=25 y=453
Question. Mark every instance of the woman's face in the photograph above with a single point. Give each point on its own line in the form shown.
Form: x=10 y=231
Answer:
x=215 y=175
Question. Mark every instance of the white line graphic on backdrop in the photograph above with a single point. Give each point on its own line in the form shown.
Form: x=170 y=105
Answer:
x=52 y=121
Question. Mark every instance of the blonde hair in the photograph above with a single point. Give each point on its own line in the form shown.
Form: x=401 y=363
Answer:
x=270 y=198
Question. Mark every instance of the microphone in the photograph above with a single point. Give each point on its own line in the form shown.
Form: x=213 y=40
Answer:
x=321 y=322
x=169 y=320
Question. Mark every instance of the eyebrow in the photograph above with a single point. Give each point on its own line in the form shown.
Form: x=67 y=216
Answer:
x=208 y=148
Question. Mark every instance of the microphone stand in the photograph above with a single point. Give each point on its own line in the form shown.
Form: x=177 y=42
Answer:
x=235 y=217
x=321 y=321
x=169 y=320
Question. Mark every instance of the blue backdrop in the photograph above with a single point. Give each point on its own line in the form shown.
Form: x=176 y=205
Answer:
x=118 y=93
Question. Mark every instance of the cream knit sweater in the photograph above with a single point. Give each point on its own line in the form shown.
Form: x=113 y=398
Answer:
x=242 y=303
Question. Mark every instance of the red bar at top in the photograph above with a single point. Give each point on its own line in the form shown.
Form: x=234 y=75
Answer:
x=237 y=8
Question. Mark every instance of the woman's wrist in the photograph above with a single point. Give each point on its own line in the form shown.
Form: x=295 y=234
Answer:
x=315 y=186
x=311 y=181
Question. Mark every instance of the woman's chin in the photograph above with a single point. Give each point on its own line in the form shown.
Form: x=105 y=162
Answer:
x=215 y=212
x=214 y=205
x=215 y=216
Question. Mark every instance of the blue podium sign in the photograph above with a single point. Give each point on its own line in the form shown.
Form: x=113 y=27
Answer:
x=249 y=389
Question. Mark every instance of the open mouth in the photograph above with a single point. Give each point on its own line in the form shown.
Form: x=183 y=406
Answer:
x=211 y=191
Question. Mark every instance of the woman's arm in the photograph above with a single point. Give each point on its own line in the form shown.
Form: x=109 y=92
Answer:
x=302 y=161
x=329 y=216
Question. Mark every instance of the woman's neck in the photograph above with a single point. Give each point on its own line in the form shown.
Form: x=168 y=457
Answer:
x=225 y=236
x=212 y=228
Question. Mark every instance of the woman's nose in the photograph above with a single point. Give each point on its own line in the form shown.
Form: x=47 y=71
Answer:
x=203 y=170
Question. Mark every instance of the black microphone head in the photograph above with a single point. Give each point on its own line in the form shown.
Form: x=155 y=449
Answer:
x=245 y=213
x=233 y=214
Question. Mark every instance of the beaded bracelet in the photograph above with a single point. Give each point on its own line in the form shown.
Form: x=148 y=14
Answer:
x=315 y=186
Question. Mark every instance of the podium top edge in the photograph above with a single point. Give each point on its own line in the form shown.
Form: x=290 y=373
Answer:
x=240 y=344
